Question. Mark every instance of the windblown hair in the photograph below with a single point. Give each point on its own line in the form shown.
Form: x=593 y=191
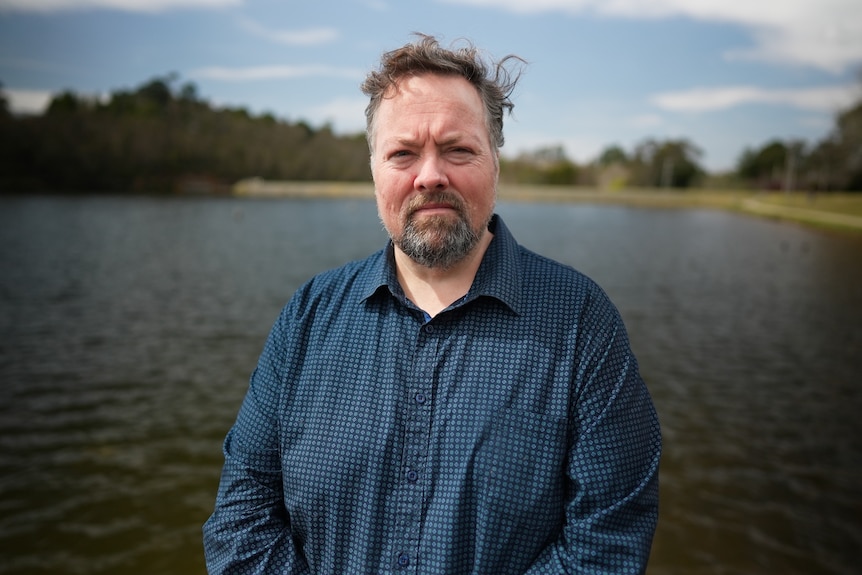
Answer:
x=493 y=80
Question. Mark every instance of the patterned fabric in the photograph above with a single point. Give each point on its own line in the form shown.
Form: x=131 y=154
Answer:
x=511 y=433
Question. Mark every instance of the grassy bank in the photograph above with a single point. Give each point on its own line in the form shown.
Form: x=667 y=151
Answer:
x=828 y=210
x=832 y=210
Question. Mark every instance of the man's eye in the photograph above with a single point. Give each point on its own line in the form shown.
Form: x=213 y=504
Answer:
x=460 y=154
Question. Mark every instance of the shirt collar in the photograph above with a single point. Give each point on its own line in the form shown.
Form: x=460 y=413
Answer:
x=499 y=274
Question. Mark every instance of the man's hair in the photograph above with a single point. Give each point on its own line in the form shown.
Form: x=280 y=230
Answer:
x=492 y=80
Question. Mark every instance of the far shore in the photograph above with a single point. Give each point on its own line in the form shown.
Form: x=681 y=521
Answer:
x=830 y=210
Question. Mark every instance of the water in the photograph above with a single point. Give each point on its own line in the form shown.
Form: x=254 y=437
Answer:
x=129 y=327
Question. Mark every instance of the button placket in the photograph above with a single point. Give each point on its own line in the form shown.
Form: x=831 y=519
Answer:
x=416 y=438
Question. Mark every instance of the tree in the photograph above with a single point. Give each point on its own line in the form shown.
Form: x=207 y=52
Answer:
x=158 y=138
x=189 y=93
x=613 y=155
x=764 y=168
x=611 y=170
x=668 y=164
x=848 y=140
x=821 y=167
x=4 y=104
x=65 y=103
x=547 y=165
x=835 y=163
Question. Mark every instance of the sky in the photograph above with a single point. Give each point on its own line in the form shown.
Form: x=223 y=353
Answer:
x=724 y=74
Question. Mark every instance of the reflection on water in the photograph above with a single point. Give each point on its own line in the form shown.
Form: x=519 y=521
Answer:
x=128 y=329
x=749 y=334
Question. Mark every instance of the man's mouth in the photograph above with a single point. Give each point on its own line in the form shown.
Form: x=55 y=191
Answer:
x=434 y=207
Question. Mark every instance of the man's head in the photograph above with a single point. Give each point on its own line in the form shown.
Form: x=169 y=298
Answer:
x=434 y=128
x=492 y=81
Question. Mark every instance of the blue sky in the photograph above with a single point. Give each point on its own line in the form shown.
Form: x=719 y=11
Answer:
x=726 y=74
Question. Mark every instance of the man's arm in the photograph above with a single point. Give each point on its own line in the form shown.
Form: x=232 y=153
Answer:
x=249 y=531
x=612 y=507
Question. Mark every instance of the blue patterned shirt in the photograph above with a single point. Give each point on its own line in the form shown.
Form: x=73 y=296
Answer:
x=511 y=433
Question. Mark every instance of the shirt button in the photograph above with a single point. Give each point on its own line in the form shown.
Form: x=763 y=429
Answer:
x=403 y=560
x=420 y=397
x=429 y=329
x=412 y=475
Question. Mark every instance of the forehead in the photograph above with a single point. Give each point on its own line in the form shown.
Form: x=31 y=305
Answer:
x=431 y=96
x=431 y=103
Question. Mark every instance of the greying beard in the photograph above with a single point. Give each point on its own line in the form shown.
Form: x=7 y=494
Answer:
x=438 y=243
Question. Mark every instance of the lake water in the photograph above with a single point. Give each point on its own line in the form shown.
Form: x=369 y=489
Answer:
x=129 y=327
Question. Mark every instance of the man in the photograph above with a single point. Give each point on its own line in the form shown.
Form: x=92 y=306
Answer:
x=454 y=403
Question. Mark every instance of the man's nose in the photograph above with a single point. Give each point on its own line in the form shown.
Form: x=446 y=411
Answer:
x=432 y=175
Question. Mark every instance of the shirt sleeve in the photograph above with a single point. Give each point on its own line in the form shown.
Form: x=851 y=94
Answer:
x=249 y=531
x=612 y=505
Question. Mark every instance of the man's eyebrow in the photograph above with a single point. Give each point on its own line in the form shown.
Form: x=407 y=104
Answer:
x=454 y=139
x=410 y=141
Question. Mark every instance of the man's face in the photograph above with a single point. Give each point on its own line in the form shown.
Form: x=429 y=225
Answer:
x=435 y=171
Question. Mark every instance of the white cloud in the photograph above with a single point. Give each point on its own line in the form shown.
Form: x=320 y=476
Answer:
x=346 y=114
x=825 y=34
x=123 y=5
x=27 y=101
x=273 y=73
x=307 y=37
x=824 y=99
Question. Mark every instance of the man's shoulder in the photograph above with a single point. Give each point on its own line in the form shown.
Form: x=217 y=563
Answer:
x=560 y=292
x=542 y=272
x=351 y=279
x=354 y=268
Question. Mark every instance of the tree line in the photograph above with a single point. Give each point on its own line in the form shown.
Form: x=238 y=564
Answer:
x=832 y=164
x=163 y=137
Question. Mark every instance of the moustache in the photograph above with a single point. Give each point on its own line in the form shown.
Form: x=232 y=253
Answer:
x=422 y=200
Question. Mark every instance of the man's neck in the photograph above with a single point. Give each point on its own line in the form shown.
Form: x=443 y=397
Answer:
x=435 y=289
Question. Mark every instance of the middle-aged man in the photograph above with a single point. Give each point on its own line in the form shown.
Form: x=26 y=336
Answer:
x=453 y=404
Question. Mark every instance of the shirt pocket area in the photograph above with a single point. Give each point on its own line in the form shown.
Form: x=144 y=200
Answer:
x=522 y=470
